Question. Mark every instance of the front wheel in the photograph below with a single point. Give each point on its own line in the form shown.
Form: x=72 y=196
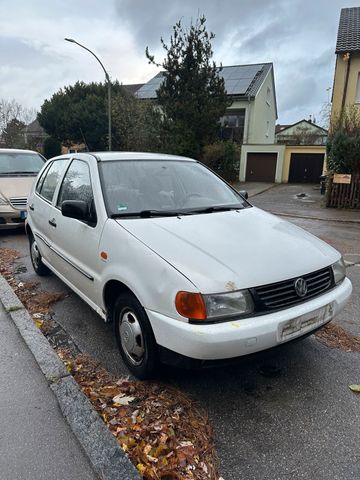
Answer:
x=41 y=269
x=134 y=336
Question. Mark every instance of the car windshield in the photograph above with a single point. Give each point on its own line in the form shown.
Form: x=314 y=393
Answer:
x=20 y=163
x=164 y=187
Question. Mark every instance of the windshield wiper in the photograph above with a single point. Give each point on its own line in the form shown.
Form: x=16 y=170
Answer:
x=149 y=213
x=19 y=172
x=217 y=208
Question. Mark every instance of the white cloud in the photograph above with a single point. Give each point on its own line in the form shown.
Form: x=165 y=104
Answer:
x=35 y=61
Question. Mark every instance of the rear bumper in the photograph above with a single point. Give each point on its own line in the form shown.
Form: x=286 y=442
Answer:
x=242 y=337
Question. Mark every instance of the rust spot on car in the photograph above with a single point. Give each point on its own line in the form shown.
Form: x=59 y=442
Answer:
x=231 y=286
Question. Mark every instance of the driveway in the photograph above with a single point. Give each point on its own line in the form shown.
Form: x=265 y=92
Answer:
x=284 y=414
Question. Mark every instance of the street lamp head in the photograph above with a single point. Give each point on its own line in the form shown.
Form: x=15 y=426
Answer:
x=70 y=40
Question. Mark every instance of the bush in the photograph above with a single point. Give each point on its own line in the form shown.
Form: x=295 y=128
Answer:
x=52 y=147
x=223 y=158
x=343 y=153
x=343 y=145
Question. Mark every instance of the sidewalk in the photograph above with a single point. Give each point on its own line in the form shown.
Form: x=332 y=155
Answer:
x=35 y=440
x=296 y=200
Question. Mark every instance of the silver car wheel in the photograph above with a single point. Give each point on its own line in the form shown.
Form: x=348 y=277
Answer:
x=131 y=337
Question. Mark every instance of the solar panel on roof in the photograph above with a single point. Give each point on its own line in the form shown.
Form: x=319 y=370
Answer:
x=237 y=80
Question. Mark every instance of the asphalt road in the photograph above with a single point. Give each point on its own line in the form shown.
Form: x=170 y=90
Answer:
x=284 y=414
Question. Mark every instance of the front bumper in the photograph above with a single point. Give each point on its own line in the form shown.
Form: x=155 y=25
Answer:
x=241 y=337
x=12 y=218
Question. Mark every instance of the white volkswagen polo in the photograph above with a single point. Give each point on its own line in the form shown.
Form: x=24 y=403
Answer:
x=181 y=263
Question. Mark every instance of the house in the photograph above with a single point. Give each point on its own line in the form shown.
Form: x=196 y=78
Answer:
x=34 y=135
x=252 y=114
x=305 y=149
x=297 y=155
x=346 y=86
x=304 y=132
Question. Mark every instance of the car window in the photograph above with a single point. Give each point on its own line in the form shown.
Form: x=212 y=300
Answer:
x=77 y=185
x=51 y=179
x=41 y=178
x=137 y=185
x=16 y=163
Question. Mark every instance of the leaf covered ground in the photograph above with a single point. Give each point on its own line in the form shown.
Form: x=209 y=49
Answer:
x=163 y=431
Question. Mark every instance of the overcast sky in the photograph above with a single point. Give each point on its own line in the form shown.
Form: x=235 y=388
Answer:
x=298 y=36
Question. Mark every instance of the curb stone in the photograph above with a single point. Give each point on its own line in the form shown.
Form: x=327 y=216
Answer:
x=103 y=451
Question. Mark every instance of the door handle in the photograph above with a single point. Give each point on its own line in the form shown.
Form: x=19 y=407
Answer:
x=31 y=207
x=52 y=222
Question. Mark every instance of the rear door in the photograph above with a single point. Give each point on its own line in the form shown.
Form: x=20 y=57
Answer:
x=39 y=204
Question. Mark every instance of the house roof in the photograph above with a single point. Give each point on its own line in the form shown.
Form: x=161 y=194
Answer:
x=283 y=128
x=348 y=39
x=132 y=88
x=34 y=128
x=240 y=80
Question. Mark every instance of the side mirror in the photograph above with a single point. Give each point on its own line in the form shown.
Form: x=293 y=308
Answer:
x=244 y=194
x=75 y=209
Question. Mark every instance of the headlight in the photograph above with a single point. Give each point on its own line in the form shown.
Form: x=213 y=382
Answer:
x=339 y=271
x=217 y=305
x=228 y=304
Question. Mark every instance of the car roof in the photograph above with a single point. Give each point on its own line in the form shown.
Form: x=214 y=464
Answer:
x=17 y=150
x=111 y=156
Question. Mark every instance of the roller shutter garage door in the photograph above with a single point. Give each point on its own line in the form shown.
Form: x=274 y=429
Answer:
x=261 y=167
x=306 y=167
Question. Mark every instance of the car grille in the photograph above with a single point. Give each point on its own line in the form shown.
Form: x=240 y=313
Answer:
x=18 y=202
x=283 y=294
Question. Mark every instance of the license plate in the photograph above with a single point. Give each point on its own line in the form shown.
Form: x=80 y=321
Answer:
x=305 y=323
x=23 y=214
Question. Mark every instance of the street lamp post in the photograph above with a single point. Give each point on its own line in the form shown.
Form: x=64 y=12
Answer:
x=107 y=78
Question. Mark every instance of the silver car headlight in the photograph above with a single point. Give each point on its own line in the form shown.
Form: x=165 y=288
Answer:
x=228 y=304
x=339 y=271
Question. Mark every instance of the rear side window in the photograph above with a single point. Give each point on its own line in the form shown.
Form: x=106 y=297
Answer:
x=47 y=187
x=41 y=179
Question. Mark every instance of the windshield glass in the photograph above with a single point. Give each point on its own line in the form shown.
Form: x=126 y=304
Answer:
x=156 y=187
x=16 y=162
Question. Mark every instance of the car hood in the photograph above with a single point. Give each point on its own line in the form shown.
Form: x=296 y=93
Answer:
x=16 y=186
x=232 y=250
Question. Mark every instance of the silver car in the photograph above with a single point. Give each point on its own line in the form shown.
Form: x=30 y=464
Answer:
x=18 y=169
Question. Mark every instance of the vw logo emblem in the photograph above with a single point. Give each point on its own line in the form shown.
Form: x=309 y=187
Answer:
x=300 y=287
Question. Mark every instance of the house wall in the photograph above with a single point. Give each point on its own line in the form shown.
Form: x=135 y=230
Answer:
x=340 y=79
x=289 y=149
x=279 y=149
x=262 y=114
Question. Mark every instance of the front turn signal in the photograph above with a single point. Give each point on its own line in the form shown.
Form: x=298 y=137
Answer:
x=190 y=305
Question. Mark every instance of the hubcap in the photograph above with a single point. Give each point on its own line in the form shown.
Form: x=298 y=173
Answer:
x=131 y=337
x=35 y=254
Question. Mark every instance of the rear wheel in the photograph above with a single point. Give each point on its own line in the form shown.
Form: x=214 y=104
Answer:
x=134 y=336
x=41 y=269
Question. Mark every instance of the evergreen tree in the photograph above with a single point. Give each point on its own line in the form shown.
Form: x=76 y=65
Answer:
x=192 y=96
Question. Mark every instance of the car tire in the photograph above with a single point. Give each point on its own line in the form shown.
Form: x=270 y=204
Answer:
x=36 y=259
x=134 y=336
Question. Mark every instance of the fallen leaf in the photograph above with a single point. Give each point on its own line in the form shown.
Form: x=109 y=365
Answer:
x=39 y=323
x=355 y=388
x=120 y=400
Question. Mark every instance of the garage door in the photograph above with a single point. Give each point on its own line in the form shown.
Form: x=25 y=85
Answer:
x=306 y=167
x=261 y=167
